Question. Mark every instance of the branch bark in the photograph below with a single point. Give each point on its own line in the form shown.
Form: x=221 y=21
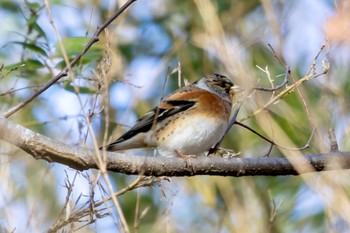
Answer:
x=82 y=158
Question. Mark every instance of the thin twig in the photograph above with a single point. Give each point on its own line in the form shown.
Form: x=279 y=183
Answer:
x=333 y=141
x=63 y=216
x=285 y=81
x=94 y=208
x=277 y=57
x=307 y=144
x=274 y=210
x=286 y=91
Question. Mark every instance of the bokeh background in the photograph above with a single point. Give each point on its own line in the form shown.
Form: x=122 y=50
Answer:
x=136 y=62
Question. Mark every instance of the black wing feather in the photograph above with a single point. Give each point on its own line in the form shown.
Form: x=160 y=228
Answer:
x=145 y=122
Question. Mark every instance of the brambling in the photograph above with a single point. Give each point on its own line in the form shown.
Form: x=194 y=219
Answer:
x=188 y=122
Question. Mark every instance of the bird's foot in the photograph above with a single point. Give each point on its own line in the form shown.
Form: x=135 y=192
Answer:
x=226 y=153
x=186 y=158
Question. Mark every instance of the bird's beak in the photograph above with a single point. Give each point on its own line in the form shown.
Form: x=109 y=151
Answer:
x=235 y=89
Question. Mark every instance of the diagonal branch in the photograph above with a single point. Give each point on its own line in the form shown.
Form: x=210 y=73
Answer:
x=82 y=158
x=63 y=73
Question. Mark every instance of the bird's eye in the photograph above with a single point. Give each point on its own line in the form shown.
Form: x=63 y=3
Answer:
x=223 y=84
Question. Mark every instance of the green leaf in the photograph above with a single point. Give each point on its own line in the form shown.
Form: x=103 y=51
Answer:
x=28 y=65
x=39 y=30
x=127 y=51
x=32 y=20
x=82 y=90
x=33 y=5
x=83 y=61
x=32 y=47
x=74 y=45
x=10 y=6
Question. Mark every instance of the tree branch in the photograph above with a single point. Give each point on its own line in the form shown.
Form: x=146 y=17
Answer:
x=82 y=158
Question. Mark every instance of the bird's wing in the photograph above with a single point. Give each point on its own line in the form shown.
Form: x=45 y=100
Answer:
x=177 y=102
x=145 y=122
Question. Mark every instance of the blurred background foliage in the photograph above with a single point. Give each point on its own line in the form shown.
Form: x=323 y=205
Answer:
x=129 y=70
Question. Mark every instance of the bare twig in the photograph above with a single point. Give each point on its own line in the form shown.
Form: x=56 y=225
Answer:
x=94 y=209
x=290 y=89
x=274 y=210
x=333 y=141
x=279 y=59
x=65 y=213
x=307 y=144
x=285 y=81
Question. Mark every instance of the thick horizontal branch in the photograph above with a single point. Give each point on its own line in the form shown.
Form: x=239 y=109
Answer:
x=81 y=158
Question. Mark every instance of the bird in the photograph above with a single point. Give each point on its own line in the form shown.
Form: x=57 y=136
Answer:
x=188 y=122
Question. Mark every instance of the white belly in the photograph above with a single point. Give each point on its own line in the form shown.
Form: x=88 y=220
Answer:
x=192 y=137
